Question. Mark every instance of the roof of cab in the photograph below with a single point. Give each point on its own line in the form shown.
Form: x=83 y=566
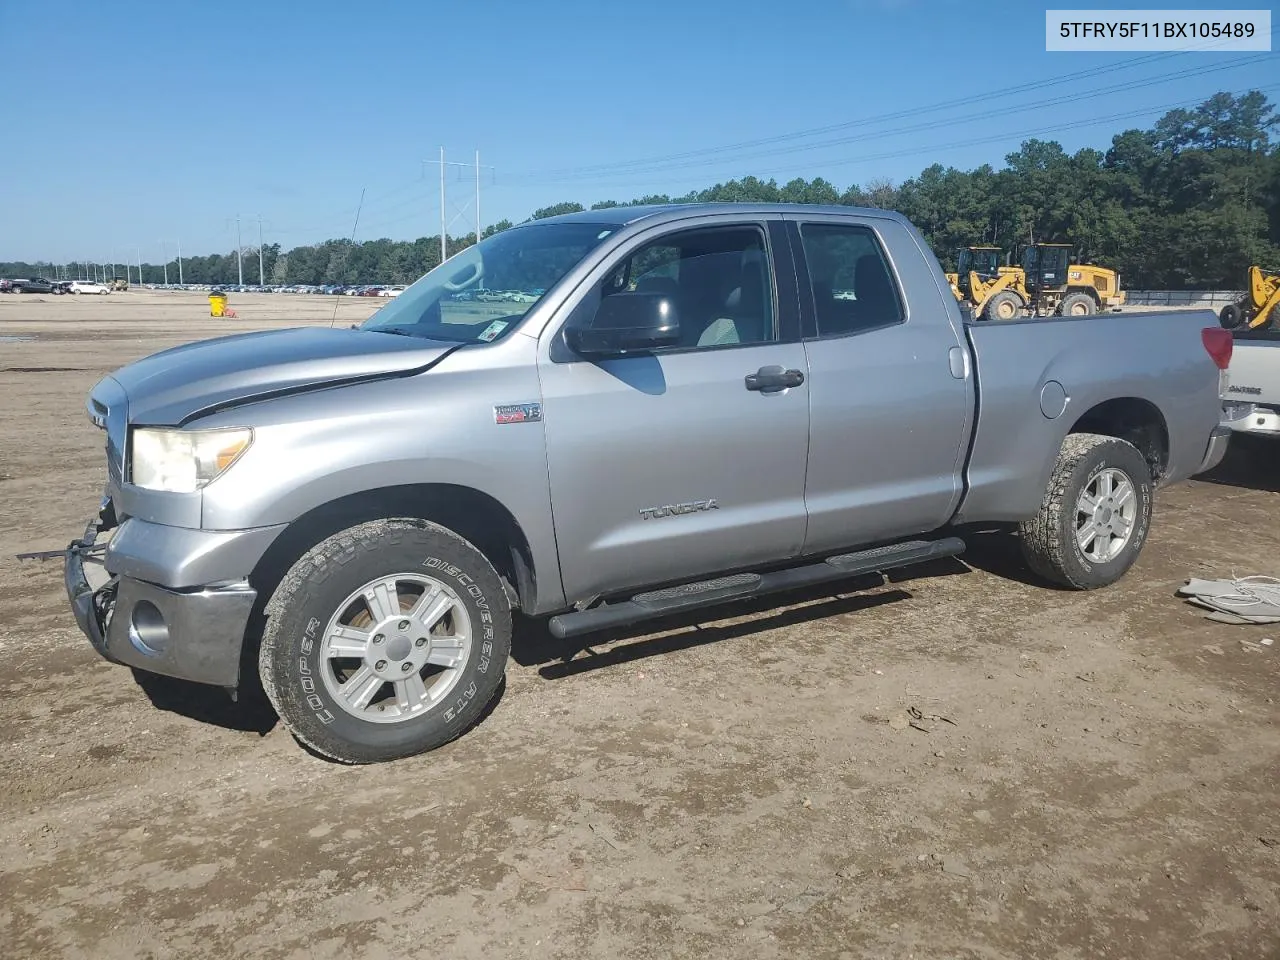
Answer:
x=626 y=215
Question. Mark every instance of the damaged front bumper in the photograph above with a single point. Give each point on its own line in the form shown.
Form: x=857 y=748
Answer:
x=192 y=633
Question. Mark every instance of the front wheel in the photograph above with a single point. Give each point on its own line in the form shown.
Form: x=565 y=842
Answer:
x=1005 y=305
x=385 y=640
x=1095 y=515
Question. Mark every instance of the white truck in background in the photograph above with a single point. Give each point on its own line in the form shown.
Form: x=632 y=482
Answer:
x=1252 y=383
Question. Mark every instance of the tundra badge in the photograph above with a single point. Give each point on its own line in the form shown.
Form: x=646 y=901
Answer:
x=517 y=413
x=677 y=509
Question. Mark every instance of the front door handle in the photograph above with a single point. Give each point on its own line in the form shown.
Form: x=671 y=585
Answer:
x=773 y=378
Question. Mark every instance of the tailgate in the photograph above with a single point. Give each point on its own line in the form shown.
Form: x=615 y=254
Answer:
x=1254 y=373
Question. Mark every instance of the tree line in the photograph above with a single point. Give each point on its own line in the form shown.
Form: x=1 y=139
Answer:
x=1188 y=204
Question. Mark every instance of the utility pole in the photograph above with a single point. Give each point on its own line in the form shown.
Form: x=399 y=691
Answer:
x=444 y=214
x=164 y=256
x=138 y=253
x=239 y=262
x=180 y=263
x=261 y=276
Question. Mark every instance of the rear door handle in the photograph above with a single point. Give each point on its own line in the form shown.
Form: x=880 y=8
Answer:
x=768 y=379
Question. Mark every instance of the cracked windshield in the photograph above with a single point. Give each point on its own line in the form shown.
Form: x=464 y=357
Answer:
x=480 y=294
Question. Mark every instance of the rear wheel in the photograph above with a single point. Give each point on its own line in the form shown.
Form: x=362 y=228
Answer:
x=385 y=640
x=1005 y=305
x=1095 y=515
x=1229 y=317
x=1077 y=305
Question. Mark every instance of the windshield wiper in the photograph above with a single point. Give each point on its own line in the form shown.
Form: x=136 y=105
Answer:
x=402 y=332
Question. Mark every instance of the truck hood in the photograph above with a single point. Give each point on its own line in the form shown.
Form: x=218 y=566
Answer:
x=175 y=386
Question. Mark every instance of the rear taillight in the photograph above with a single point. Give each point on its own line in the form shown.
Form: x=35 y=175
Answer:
x=1218 y=344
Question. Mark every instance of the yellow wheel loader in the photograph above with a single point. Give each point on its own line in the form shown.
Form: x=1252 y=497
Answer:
x=1259 y=307
x=954 y=280
x=994 y=292
x=1057 y=287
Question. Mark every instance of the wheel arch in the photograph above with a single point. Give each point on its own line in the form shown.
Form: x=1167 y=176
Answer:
x=472 y=514
x=1135 y=420
x=1088 y=291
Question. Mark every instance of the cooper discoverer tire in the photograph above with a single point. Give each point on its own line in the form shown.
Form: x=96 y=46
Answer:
x=1095 y=515
x=406 y=662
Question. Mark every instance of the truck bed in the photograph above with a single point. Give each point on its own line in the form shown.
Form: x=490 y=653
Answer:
x=1147 y=362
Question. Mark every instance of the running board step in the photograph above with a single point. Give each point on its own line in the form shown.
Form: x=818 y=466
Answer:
x=706 y=593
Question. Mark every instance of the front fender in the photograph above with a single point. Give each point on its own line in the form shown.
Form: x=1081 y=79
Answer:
x=436 y=428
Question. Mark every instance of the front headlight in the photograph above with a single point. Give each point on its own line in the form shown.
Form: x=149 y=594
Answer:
x=183 y=461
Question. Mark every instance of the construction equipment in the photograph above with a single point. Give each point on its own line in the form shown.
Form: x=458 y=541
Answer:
x=1259 y=307
x=1046 y=284
x=119 y=283
x=1057 y=287
x=953 y=279
x=995 y=292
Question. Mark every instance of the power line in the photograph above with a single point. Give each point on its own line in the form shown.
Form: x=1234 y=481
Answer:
x=993 y=138
x=894 y=115
x=952 y=121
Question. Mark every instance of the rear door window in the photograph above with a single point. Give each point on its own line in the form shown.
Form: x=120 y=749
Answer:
x=849 y=278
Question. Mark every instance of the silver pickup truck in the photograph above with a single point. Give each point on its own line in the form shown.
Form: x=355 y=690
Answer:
x=662 y=408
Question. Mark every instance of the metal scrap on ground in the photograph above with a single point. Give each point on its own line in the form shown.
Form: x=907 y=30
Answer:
x=1252 y=599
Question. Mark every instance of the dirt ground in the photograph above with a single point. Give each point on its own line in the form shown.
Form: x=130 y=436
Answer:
x=778 y=783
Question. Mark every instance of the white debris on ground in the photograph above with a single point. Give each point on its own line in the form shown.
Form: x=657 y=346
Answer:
x=1252 y=599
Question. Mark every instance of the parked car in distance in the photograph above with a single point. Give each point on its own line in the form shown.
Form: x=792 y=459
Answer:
x=708 y=403
x=88 y=286
x=37 y=285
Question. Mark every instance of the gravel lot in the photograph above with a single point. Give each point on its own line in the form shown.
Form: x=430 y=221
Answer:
x=1104 y=783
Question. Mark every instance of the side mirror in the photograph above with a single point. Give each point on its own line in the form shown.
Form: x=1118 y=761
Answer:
x=627 y=321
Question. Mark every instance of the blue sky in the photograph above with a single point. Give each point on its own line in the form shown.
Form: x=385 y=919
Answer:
x=145 y=122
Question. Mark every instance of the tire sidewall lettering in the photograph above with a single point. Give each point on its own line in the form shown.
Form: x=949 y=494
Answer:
x=461 y=700
x=1143 y=492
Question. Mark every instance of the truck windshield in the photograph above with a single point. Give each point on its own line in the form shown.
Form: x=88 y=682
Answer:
x=481 y=293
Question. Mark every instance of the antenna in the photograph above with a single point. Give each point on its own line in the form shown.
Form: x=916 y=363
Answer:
x=337 y=297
